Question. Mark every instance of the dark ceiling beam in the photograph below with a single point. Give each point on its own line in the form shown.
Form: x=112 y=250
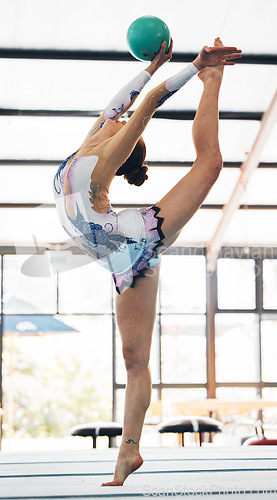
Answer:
x=227 y=164
x=223 y=115
x=121 y=206
x=151 y=164
x=166 y=114
x=67 y=113
x=111 y=55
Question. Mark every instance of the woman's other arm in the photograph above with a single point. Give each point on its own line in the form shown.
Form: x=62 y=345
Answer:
x=125 y=98
x=120 y=146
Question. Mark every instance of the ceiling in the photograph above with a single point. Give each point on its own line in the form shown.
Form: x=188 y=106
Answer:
x=61 y=62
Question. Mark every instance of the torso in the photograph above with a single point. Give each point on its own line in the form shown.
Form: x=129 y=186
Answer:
x=99 y=181
x=122 y=242
x=102 y=173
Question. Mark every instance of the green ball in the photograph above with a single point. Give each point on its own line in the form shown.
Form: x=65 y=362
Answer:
x=145 y=35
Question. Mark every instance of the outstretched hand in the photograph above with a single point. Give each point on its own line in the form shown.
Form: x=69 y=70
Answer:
x=216 y=56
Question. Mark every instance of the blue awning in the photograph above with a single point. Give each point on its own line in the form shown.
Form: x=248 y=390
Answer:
x=33 y=325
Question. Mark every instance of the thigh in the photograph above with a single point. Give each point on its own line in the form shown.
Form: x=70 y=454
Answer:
x=184 y=199
x=136 y=312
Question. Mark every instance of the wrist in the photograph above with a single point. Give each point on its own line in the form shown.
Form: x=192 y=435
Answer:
x=197 y=63
x=152 y=68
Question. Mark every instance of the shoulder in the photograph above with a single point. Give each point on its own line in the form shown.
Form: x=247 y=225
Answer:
x=88 y=149
x=103 y=168
x=106 y=156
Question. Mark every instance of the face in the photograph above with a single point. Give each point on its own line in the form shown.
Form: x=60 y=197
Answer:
x=111 y=127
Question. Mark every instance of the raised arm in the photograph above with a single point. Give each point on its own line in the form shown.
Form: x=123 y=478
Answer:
x=125 y=98
x=122 y=144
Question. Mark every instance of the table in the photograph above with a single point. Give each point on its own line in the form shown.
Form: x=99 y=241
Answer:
x=211 y=406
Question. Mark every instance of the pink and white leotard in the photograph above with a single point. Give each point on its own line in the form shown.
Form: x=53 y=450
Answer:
x=125 y=243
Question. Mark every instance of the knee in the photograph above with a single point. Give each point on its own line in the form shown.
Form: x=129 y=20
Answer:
x=135 y=360
x=214 y=164
x=211 y=162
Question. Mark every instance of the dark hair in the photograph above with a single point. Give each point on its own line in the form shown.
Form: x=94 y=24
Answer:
x=133 y=169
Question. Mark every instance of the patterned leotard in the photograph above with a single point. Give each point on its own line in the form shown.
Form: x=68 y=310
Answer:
x=125 y=243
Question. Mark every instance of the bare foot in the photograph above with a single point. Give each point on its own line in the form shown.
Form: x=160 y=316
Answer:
x=214 y=71
x=124 y=467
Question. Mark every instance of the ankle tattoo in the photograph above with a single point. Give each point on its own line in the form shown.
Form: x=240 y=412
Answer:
x=131 y=441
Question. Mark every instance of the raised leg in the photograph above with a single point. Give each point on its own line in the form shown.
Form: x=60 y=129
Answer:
x=136 y=312
x=184 y=199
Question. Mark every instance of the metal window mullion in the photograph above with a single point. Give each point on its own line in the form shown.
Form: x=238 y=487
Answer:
x=211 y=301
x=259 y=308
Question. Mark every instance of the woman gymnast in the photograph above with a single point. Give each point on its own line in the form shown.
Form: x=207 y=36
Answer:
x=129 y=243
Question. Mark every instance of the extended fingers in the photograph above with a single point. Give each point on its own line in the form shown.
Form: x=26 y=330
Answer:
x=170 y=49
x=224 y=50
x=230 y=50
x=228 y=53
x=232 y=56
x=163 y=47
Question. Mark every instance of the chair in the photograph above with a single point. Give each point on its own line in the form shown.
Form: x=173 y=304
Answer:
x=260 y=439
x=95 y=429
x=198 y=425
x=240 y=428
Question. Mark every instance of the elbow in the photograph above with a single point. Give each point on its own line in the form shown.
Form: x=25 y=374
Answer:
x=150 y=100
x=156 y=98
x=159 y=95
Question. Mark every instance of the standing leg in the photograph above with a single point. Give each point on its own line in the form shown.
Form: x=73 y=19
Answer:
x=136 y=312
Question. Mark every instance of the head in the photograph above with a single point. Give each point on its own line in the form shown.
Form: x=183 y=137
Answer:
x=133 y=168
x=111 y=127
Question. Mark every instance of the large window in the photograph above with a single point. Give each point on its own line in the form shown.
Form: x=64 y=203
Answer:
x=270 y=284
x=183 y=288
x=246 y=326
x=57 y=349
x=25 y=294
x=269 y=348
x=237 y=348
x=236 y=283
x=78 y=380
x=183 y=349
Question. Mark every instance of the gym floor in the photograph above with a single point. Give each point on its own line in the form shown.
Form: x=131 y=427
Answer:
x=245 y=472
